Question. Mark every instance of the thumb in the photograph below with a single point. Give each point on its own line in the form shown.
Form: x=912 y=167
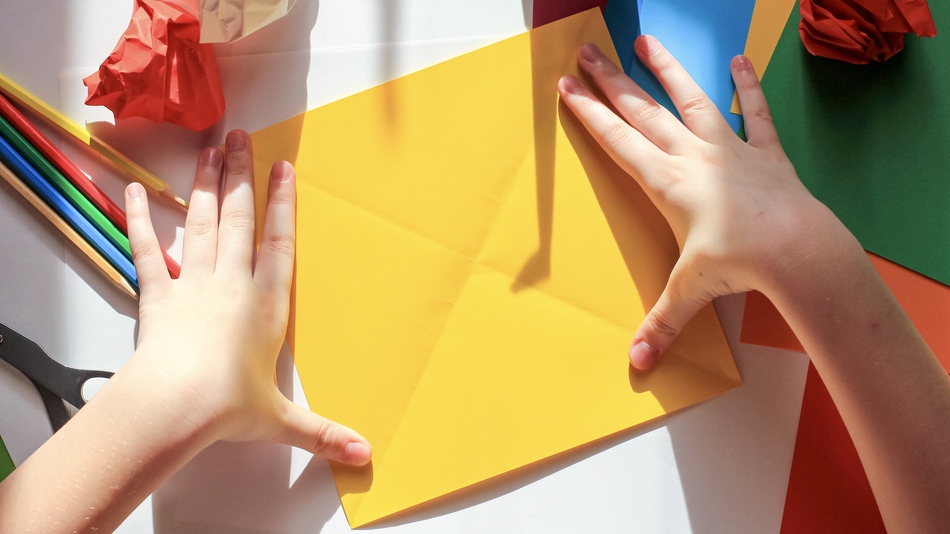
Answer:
x=679 y=303
x=323 y=437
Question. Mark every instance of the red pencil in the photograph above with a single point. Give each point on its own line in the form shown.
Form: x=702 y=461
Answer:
x=69 y=169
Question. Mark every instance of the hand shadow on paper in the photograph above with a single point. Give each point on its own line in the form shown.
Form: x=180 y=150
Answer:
x=538 y=266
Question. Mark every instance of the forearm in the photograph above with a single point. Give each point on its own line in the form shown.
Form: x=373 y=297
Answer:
x=93 y=472
x=891 y=391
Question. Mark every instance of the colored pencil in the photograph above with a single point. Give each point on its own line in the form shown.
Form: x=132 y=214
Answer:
x=84 y=138
x=101 y=264
x=75 y=175
x=22 y=168
x=66 y=188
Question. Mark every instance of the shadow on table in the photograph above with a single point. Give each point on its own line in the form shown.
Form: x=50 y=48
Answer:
x=733 y=453
x=248 y=487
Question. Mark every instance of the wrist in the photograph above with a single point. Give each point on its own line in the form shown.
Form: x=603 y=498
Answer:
x=156 y=403
x=811 y=256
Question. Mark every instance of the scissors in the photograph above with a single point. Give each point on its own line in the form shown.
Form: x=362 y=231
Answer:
x=56 y=383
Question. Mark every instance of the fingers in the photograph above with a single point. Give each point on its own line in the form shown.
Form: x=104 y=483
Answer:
x=236 y=228
x=678 y=304
x=628 y=147
x=698 y=112
x=759 y=127
x=146 y=252
x=199 y=249
x=638 y=108
x=275 y=260
x=309 y=431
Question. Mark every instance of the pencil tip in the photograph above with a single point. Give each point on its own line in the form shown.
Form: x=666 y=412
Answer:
x=175 y=197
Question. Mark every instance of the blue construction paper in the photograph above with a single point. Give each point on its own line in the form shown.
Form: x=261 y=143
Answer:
x=30 y=176
x=703 y=35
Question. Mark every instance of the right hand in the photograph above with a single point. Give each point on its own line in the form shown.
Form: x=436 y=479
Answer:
x=740 y=214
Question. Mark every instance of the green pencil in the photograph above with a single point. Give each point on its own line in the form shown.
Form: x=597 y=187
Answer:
x=52 y=174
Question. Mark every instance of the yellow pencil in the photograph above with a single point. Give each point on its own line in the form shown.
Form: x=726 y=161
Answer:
x=83 y=137
x=104 y=267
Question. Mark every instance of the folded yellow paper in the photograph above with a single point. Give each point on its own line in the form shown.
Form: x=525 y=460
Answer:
x=471 y=268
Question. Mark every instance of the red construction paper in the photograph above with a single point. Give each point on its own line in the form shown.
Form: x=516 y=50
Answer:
x=828 y=491
x=861 y=31
x=763 y=325
x=159 y=70
x=546 y=11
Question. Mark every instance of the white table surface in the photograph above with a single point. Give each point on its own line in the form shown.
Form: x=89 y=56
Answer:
x=721 y=466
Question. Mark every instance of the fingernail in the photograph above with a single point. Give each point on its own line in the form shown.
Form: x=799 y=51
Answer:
x=590 y=53
x=210 y=157
x=650 y=45
x=642 y=354
x=741 y=63
x=569 y=84
x=356 y=453
x=236 y=140
x=135 y=190
x=282 y=171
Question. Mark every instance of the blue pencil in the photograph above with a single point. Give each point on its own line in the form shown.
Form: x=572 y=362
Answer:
x=67 y=211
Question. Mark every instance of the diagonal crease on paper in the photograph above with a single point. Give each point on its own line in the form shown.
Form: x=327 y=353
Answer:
x=471 y=268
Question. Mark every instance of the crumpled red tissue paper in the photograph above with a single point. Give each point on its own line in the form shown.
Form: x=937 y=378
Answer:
x=159 y=70
x=861 y=31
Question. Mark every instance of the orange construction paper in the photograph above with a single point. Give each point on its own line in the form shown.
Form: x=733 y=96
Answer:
x=159 y=70
x=471 y=269
x=861 y=31
x=926 y=302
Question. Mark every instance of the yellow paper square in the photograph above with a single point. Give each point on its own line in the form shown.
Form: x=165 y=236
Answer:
x=471 y=268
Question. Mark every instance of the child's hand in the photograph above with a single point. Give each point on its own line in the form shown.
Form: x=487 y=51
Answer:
x=208 y=342
x=738 y=210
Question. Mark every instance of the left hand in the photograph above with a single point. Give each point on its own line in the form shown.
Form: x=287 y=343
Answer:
x=210 y=339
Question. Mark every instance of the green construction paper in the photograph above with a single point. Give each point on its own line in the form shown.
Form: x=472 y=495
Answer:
x=872 y=141
x=6 y=463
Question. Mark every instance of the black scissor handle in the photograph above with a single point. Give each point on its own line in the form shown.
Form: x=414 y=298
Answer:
x=31 y=360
